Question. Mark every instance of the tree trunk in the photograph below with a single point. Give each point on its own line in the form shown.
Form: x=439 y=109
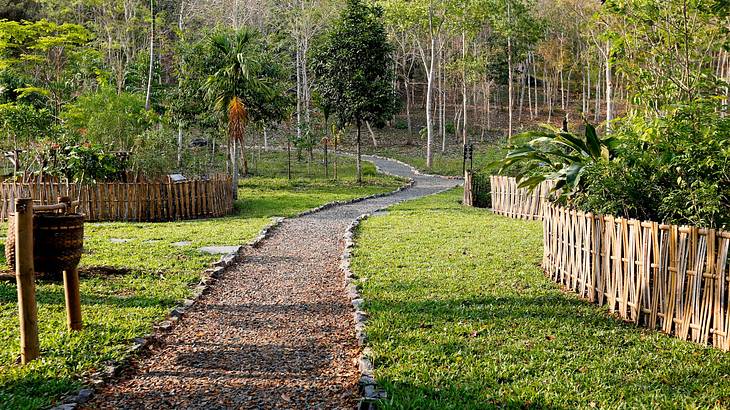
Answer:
x=357 y=160
x=489 y=105
x=148 y=98
x=429 y=103
x=372 y=134
x=299 y=93
x=529 y=86
x=509 y=88
x=179 y=144
x=598 y=96
x=266 y=140
x=234 y=166
x=288 y=158
x=609 y=88
x=334 y=159
x=522 y=96
x=408 y=110
x=534 y=79
x=463 y=85
x=440 y=97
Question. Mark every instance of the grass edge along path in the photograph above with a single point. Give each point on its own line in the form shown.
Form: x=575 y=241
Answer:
x=462 y=317
x=156 y=266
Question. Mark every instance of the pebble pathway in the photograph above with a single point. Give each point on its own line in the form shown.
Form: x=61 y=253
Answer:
x=275 y=331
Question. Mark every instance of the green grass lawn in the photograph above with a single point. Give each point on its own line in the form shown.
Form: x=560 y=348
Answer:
x=461 y=317
x=119 y=307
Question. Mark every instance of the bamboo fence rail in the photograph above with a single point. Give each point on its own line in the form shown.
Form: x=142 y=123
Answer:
x=508 y=200
x=665 y=277
x=137 y=201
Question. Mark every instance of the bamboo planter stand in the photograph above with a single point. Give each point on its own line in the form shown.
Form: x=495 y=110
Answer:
x=53 y=242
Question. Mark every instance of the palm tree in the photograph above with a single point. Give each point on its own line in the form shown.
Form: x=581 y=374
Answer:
x=238 y=87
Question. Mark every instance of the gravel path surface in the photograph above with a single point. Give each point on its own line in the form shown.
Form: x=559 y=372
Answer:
x=275 y=331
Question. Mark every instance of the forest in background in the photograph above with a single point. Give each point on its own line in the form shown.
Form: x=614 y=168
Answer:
x=95 y=78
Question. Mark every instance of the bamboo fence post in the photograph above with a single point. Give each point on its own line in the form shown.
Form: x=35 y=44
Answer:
x=25 y=276
x=73 y=298
x=468 y=193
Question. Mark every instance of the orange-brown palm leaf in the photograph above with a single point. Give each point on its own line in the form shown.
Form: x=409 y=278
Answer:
x=237 y=119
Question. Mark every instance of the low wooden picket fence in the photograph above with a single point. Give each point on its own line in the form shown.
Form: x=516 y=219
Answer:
x=665 y=277
x=521 y=203
x=137 y=201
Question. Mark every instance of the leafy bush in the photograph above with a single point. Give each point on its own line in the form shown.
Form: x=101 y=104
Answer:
x=109 y=119
x=552 y=154
x=688 y=155
x=617 y=188
x=450 y=127
x=84 y=163
x=154 y=153
x=400 y=124
x=23 y=123
x=482 y=188
x=673 y=169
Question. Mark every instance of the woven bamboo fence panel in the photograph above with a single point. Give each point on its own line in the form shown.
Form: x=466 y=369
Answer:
x=521 y=203
x=137 y=201
x=670 y=278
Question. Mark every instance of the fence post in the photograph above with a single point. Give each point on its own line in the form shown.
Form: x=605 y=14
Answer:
x=73 y=298
x=25 y=277
x=468 y=192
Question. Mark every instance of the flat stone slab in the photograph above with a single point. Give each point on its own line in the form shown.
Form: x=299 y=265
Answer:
x=118 y=240
x=182 y=243
x=219 y=249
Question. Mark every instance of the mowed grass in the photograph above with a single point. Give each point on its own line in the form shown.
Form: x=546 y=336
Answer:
x=462 y=317
x=154 y=275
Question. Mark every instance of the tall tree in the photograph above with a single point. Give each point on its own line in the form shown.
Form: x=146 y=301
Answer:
x=354 y=69
x=148 y=98
x=243 y=87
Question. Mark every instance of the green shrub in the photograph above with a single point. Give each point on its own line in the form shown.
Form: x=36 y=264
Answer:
x=23 y=123
x=83 y=163
x=400 y=124
x=450 y=127
x=674 y=169
x=108 y=119
x=482 y=189
x=154 y=153
x=618 y=188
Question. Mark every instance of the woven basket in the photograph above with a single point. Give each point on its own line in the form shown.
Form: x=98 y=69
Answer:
x=58 y=242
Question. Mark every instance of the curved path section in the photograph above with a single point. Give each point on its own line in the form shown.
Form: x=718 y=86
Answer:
x=275 y=331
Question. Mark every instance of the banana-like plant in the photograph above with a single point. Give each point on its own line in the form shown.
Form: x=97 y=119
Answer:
x=553 y=154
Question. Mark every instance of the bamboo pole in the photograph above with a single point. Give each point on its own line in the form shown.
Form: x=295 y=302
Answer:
x=25 y=276
x=73 y=299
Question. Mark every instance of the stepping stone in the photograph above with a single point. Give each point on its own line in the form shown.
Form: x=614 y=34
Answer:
x=118 y=240
x=219 y=249
x=151 y=241
x=182 y=243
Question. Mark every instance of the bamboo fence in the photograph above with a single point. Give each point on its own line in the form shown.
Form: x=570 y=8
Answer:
x=675 y=279
x=665 y=277
x=136 y=201
x=508 y=200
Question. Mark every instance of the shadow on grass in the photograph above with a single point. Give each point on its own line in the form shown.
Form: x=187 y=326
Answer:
x=548 y=350
x=55 y=296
